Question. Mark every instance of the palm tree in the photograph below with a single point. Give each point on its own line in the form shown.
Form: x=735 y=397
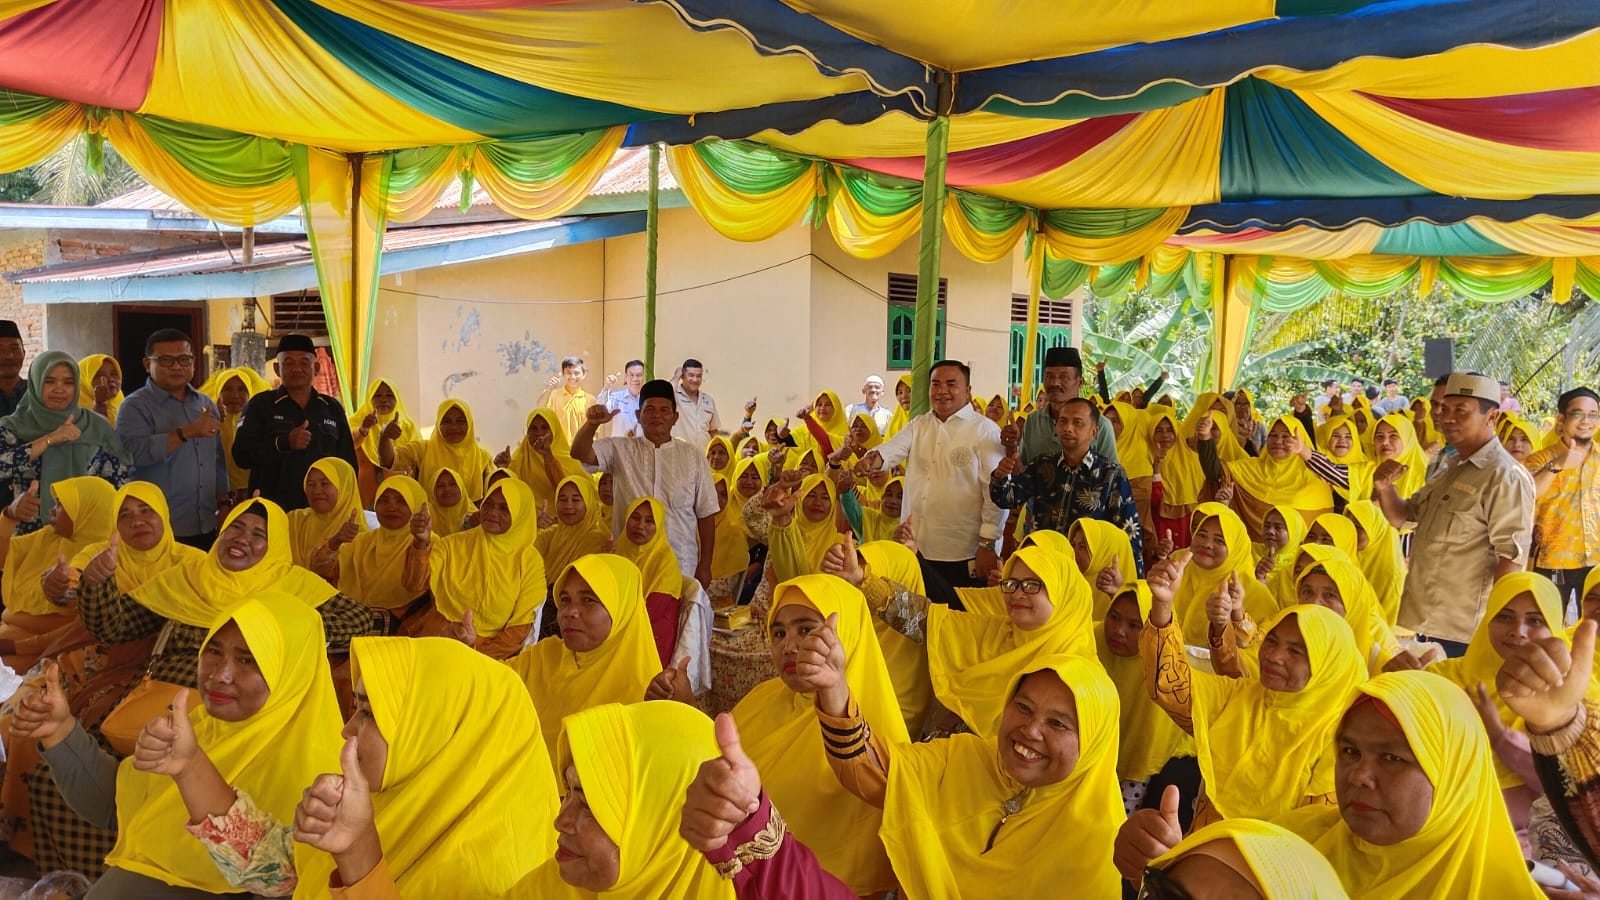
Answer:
x=85 y=171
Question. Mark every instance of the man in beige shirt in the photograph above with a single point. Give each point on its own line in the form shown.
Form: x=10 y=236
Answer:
x=1473 y=522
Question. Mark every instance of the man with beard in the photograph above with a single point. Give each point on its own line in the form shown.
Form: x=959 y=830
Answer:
x=1566 y=477
x=1063 y=381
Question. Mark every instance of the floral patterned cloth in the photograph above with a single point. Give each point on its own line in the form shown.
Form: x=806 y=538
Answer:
x=251 y=849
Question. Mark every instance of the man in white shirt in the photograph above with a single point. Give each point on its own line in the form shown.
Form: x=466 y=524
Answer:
x=625 y=403
x=871 y=393
x=949 y=453
x=697 y=412
x=656 y=465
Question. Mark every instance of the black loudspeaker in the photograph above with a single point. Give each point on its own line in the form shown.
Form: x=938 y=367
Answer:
x=1438 y=356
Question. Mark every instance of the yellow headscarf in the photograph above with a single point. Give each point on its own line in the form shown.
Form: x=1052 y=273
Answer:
x=1467 y=847
x=1262 y=751
x=309 y=528
x=198 y=590
x=730 y=555
x=874 y=438
x=1228 y=446
x=1107 y=544
x=635 y=763
x=658 y=565
x=369 y=444
x=469 y=461
x=1198 y=584
x=876 y=525
x=796 y=456
x=1341 y=530
x=1374 y=640
x=1149 y=737
x=1510 y=422
x=447 y=520
x=1411 y=455
x=1482 y=662
x=500 y=577
x=272 y=755
x=135 y=566
x=91 y=502
x=1383 y=561
x=238 y=479
x=736 y=497
x=562 y=682
x=778 y=728
x=1264 y=482
x=464 y=810
x=371 y=566
x=1360 y=467
x=528 y=464
x=727 y=445
x=798 y=548
x=1280 y=584
x=562 y=545
x=1427 y=434
x=1284 y=866
x=946 y=798
x=835 y=425
x=906 y=659
x=1133 y=445
x=973 y=658
x=991 y=601
x=88 y=368
x=1182 y=477
x=901 y=414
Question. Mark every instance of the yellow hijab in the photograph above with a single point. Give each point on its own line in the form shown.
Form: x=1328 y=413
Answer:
x=1467 y=847
x=778 y=728
x=500 y=577
x=1383 y=561
x=563 y=682
x=1182 y=477
x=528 y=464
x=835 y=425
x=972 y=658
x=369 y=444
x=309 y=528
x=876 y=525
x=730 y=555
x=1411 y=455
x=1262 y=751
x=1482 y=663
x=198 y=590
x=447 y=520
x=88 y=368
x=238 y=478
x=272 y=755
x=469 y=461
x=874 y=438
x=1133 y=445
x=1341 y=530
x=1228 y=446
x=1280 y=584
x=1358 y=464
x=561 y=545
x=801 y=549
x=901 y=414
x=1373 y=638
x=658 y=565
x=1266 y=482
x=635 y=763
x=1284 y=866
x=726 y=445
x=945 y=800
x=1199 y=584
x=464 y=810
x=135 y=566
x=1427 y=434
x=1107 y=544
x=91 y=502
x=371 y=566
x=906 y=659
x=1149 y=737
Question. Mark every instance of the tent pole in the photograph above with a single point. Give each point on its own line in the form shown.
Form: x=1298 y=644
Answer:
x=353 y=378
x=926 y=318
x=652 y=234
x=1031 y=338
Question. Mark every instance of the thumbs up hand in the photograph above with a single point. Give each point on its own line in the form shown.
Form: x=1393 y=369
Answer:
x=463 y=631
x=103 y=567
x=346 y=533
x=335 y=816
x=1544 y=681
x=503 y=458
x=546 y=518
x=58 y=581
x=299 y=436
x=1009 y=463
x=843 y=561
x=166 y=745
x=422 y=527
x=44 y=715
x=1109 y=579
x=1147 y=834
x=25 y=508
x=672 y=684
x=725 y=792
x=906 y=533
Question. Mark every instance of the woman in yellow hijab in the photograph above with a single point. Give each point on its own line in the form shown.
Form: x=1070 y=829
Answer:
x=1341 y=444
x=100 y=385
x=441 y=735
x=1519 y=436
x=1177 y=478
x=381 y=408
x=1215 y=406
x=543 y=458
x=1422 y=422
x=1149 y=739
x=1337 y=584
x=231 y=389
x=1282 y=531
x=606 y=652
x=1426 y=820
x=1243 y=858
x=376 y=568
x=454 y=446
x=719 y=455
x=1334 y=530
x=332 y=518
x=1523 y=606
x=906 y=659
x=1278 y=478
x=1132 y=428
x=825 y=422
x=1219 y=550
x=492 y=571
x=879 y=523
x=1394 y=437
x=731 y=553
x=1097 y=546
x=579 y=529
x=779 y=728
x=797 y=543
x=902 y=407
x=84 y=513
x=449 y=508
x=1379 y=553
x=644 y=543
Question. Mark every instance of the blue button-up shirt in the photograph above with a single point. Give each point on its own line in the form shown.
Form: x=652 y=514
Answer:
x=193 y=474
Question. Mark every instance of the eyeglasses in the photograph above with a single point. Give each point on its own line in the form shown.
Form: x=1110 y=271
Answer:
x=168 y=362
x=1584 y=417
x=1158 y=885
x=1029 y=586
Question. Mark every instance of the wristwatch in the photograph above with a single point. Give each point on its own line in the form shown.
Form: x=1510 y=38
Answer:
x=985 y=544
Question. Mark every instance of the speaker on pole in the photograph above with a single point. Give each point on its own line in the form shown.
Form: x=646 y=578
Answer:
x=1438 y=356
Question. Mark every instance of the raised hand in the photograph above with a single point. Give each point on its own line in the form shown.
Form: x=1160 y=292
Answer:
x=1269 y=561
x=66 y=433
x=25 y=508
x=906 y=533
x=1297 y=447
x=206 y=424
x=299 y=437
x=1543 y=682
x=870 y=463
x=44 y=714
x=1219 y=606
x=1205 y=428
x=1109 y=579
x=1224 y=494
x=1147 y=834
x=598 y=415
x=546 y=518
x=1164 y=546
x=335 y=812
x=57 y=580
x=842 y=560
x=463 y=630
x=725 y=792
x=1387 y=473
x=503 y=458
x=1404 y=661
x=1163 y=579
x=346 y=533
x=369 y=423
x=819 y=661
x=1011 y=436
x=672 y=684
x=167 y=743
x=422 y=527
x=778 y=500
x=104 y=565
x=1235 y=585
x=553 y=382
x=1009 y=463
x=612 y=379
x=750 y=408
x=393 y=431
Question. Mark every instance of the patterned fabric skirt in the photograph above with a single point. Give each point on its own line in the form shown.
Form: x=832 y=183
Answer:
x=742 y=659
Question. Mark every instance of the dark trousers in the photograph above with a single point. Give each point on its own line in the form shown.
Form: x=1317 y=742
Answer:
x=1568 y=582
x=201 y=541
x=1452 y=649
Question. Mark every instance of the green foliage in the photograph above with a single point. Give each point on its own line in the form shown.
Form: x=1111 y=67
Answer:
x=18 y=187
x=81 y=173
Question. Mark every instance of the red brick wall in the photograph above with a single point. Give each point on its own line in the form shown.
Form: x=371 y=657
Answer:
x=24 y=254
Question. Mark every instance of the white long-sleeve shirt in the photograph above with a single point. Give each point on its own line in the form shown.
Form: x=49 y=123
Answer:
x=947 y=481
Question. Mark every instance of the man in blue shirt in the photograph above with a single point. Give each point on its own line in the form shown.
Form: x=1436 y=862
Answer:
x=171 y=430
x=624 y=402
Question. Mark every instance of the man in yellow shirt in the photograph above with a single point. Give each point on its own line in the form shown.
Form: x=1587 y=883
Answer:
x=1566 y=478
